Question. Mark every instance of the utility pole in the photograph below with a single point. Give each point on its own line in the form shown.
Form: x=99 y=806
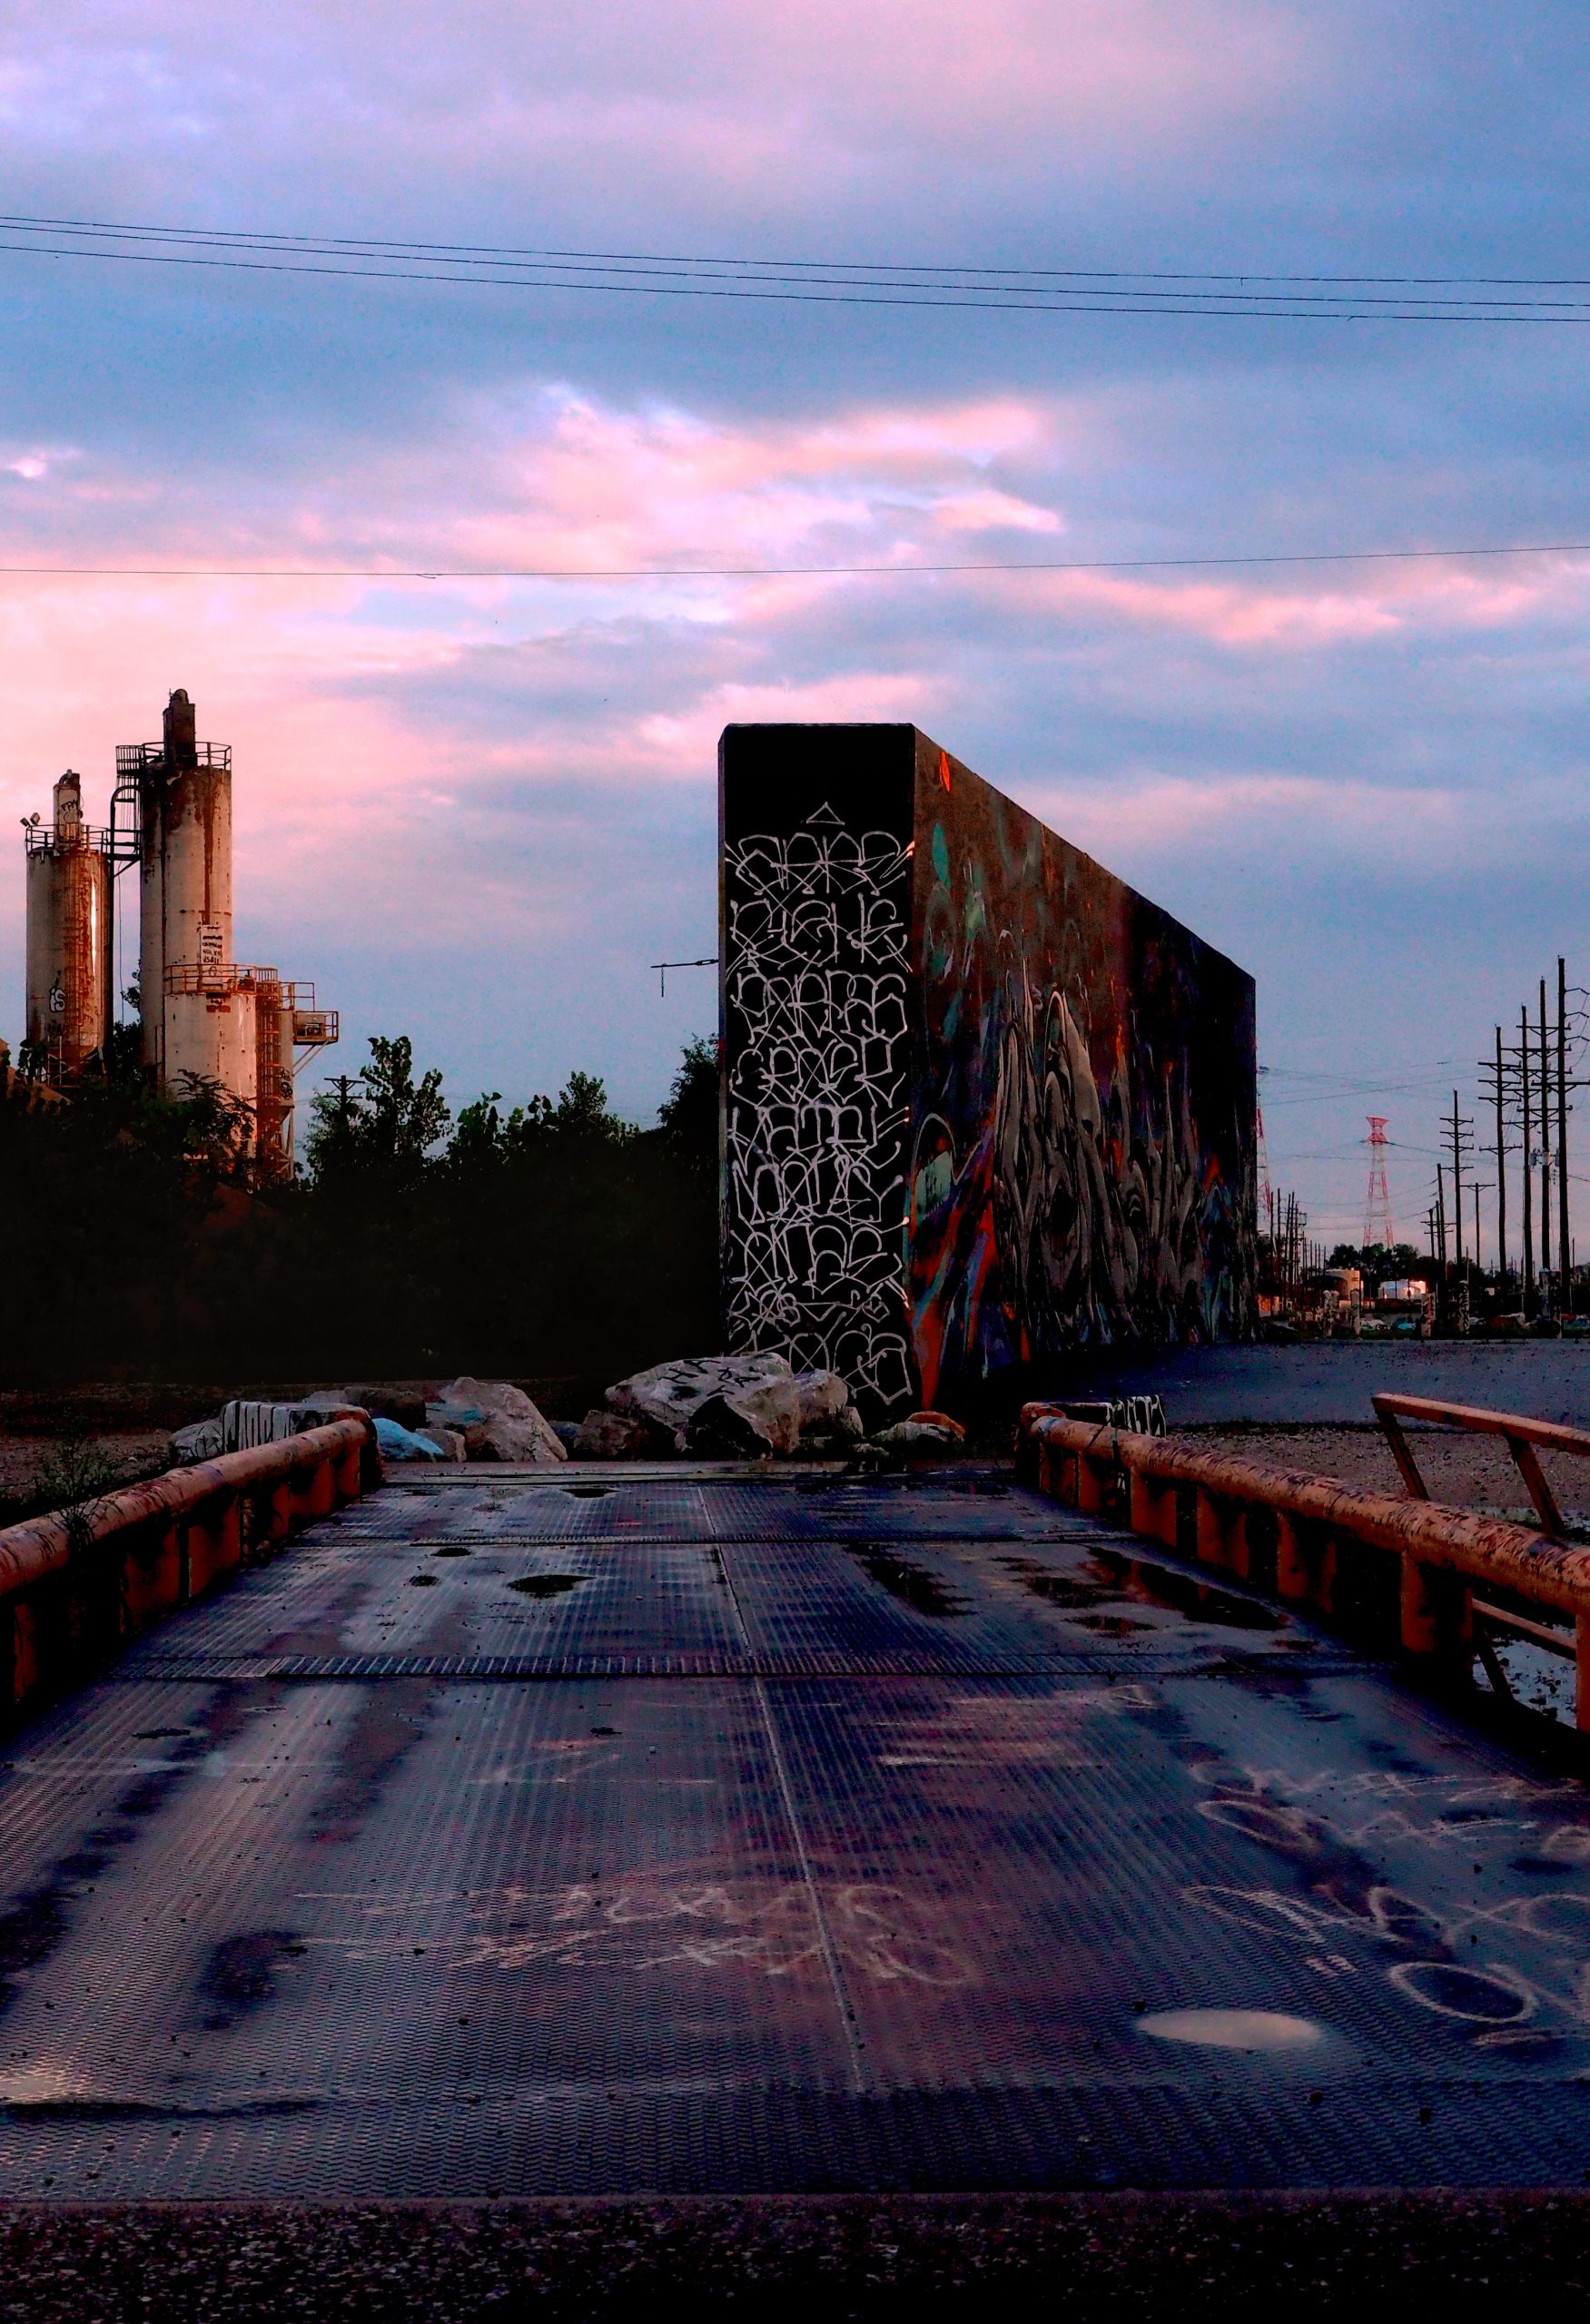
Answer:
x=1441 y=1223
x=1565 y=1295
x=1460 y=1134
x=1458 y=1129
x=1529 y=1165
x=1498 y=1093
x=1545 y=1158
x=1478 y=1188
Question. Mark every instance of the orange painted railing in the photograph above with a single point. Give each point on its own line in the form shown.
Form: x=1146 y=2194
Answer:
x=78 y=1583
x=1410 y=1572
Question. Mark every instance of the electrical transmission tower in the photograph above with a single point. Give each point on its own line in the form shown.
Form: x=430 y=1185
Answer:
x=1377 y=1226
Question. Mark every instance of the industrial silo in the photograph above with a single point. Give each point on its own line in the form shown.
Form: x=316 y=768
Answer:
x=204 y=1014
x=192 y=1021
x=69 y=950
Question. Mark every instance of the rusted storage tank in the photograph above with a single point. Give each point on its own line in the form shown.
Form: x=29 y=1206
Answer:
x=193 y=1023
x=70 y=1002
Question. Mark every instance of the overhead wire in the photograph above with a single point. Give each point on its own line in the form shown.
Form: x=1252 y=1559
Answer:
x=1257 y=296
x=893 y=571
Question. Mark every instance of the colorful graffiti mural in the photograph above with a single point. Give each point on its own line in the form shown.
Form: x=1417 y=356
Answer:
x=983 y=1103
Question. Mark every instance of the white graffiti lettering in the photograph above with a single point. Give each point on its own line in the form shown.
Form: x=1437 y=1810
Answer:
x=816 y=946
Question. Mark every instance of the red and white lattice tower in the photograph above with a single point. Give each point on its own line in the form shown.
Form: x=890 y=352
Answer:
x=1377 y=1226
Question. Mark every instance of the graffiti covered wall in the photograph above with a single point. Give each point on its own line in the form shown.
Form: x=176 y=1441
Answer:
x=982 y=1103
x=1083 y=1101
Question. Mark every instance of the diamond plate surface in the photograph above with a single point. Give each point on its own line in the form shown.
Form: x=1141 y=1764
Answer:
x=882 y=1836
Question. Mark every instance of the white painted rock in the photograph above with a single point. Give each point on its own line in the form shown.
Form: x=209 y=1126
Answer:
x=670 y=1395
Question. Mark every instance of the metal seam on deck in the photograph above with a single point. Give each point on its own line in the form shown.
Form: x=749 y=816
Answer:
x=504 y=1669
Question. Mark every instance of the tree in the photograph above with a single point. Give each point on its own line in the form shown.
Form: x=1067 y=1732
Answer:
x=382 y=1124
x=583 y=1115
x=687 y=1116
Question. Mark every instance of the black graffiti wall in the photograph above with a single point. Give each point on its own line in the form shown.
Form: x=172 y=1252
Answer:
x=816 y=983
x=1082 y=1101
x=982 y=1103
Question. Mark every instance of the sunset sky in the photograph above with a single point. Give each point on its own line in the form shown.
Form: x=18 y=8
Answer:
x=476 y=811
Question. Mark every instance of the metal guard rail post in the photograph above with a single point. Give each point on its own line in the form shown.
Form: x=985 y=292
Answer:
x=1519 y=1436
x=78 y=1583
x=1320 y=1529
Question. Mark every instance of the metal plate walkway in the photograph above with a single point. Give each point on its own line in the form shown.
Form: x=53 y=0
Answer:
x=554 y=1835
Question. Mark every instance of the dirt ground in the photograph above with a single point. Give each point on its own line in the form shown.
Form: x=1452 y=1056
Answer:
x=127 y=1453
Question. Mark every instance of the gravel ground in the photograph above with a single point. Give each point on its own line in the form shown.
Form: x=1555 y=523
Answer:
x=1466 y=1471
x=921 y=2258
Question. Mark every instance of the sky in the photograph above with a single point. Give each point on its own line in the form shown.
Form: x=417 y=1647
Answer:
x=476 y=811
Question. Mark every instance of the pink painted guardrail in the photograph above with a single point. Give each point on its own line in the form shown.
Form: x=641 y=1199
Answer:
x=1415 y=1575
x=78 y=1583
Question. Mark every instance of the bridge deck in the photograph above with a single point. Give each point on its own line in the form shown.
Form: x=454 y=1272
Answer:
x=542 y=1834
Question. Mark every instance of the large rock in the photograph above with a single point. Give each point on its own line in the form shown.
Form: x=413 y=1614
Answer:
x=748 y=1423
x=331 y=1403
x=670 y=1395
x=202 y=1440
x=918 y=1438
x=515 y=1430
x=823 y=1395
x=830 y=1423
x=384 y=1402
x=618 y=1436
x=465 y=1421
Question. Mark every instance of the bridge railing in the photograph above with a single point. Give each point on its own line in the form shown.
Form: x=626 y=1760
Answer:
x=78 y=1583
x=1433 y=1581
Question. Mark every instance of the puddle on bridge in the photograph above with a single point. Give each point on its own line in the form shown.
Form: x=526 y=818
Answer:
x=1146 y=1583
x=547 y=1585
x=913 y=1585
x=1233 y=2029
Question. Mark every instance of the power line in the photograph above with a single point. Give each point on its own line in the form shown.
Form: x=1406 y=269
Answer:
x=785 y=572
x=338 y=243
x=1309 y=298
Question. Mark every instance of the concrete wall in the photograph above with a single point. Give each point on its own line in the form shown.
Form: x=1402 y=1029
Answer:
x=983 y=1103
